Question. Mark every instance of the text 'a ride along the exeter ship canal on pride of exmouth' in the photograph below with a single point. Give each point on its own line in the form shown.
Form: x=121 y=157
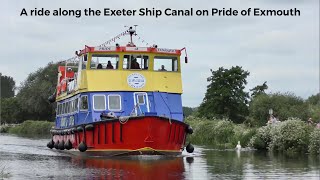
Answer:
x=154 y=12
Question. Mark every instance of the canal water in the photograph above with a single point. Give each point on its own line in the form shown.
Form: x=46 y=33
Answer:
x=26 y=158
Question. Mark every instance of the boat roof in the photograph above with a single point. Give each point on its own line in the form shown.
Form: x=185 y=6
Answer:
x=101 y=49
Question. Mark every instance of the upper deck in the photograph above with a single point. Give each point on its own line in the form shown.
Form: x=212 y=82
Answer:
x=121 y=68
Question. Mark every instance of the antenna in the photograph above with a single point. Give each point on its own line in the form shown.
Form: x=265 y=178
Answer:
x=132 y=32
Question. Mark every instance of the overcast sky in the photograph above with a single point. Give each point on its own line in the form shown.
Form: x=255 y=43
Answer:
x=284 y=51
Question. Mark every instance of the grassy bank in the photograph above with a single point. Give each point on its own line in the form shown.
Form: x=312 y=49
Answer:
x=292 y=135
x=32 y=128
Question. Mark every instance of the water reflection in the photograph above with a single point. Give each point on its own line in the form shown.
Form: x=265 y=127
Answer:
x=136 y=167
x=261 y=164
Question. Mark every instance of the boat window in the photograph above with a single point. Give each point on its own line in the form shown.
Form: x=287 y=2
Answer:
x=58 y=109
x=76 y=105
x=140 y=98
x=104 y=61
x=135 y=62
x=72 y=106
x=99 y=102
x=114 y=102
x=84 y=103
x=165 y=63
x=63 y=110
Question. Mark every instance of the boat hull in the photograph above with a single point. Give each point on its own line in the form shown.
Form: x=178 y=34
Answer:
x=139 y=135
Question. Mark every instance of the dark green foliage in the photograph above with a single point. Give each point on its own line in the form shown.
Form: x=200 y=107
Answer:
x=225 y=96
x=187 y=111
x=11 y=111
x=314 y=99
x=284 y=105
x=32 y=128
x=34 y=93
x=258 y=90
x=7 y=86
x=218 y=133
x=314 y=107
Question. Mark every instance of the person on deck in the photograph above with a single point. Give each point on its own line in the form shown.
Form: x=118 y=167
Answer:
x=109 y=65
x=162 y=68
x=99 y=66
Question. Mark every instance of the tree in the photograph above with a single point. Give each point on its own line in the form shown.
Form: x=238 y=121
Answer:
x=10 y=110
x=187 y=111
x=314 y=107
x=259 y=89
x=35 y=90
x=314 y=99
x=284 y=105
x=7 y=86
x=225 y=96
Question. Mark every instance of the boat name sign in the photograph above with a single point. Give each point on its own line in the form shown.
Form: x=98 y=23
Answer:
x=136 y=80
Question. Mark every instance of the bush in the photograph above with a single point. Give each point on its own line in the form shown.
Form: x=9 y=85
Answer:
x=32 y=128
x=4 y=128
x=314 y=145
x=262 y=138
x=290 y=136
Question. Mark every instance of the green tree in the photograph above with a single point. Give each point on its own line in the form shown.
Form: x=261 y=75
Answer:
x=314 y=99
x=187 y=111
x=314 y=107
x=260 y=89
x=11 y=111
x=225 y=96
x=7 y=86
x=35 y=90
x=284 y=105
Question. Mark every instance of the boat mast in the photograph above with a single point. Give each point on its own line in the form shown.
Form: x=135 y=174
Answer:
x=132 y=32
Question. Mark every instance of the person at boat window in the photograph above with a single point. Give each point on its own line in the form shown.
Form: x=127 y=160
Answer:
x=109 y=65
x=135 y=64
x=162 y=68
x=99 y=66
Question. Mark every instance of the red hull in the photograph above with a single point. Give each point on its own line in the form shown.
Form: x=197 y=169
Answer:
x=139 y=135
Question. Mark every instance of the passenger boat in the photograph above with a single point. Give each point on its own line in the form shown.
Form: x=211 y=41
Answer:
x=120 y=100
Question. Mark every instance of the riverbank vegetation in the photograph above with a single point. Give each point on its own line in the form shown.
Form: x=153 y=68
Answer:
x=292 y=135
x=32 y=128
